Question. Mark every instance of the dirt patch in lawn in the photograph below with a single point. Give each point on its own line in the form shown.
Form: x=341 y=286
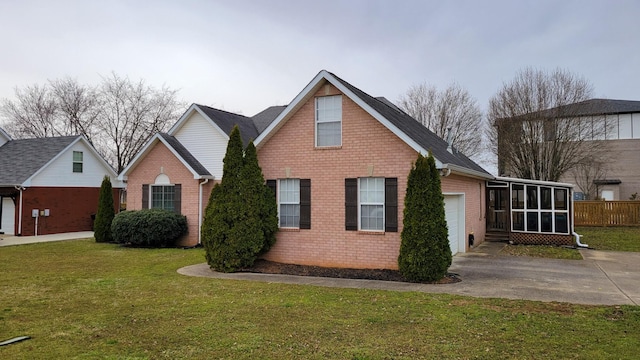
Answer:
x=270 y=267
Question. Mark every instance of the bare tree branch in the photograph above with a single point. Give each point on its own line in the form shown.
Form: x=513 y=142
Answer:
x=453 y=108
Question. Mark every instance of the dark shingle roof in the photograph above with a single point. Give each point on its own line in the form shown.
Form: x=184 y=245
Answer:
x=20 y=159
x=265 y=117
x=591 y=107
x=185 y=154
x=226 y=121
x=416 y=131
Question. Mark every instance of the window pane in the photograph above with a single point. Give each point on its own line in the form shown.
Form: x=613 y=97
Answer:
x=532 y=221
x=162 y=197
x=372 y=217
x=532 y=197
x=546 y=222
x=289 y=215
x=329 y=134
x=624 y=120
x=562 y=225
x=517 y=197
x=77 y=167
x=561 y=199
x=635 y=124
x=372 y=190
x=545 y=198
x=77 y=156
x=517 y=220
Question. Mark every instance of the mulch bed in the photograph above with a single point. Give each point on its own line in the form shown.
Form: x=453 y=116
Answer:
x=270 y=267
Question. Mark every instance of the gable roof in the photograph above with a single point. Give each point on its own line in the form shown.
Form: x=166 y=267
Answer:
x=177 y=149
x=22 y=159
x=398 y=122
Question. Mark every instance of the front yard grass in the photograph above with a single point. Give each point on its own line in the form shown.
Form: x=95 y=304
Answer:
x=611 y=238
x=83 y=300
x=543 y=251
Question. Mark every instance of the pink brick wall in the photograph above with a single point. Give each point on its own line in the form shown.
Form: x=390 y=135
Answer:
x=365 y=143
x=146 y=173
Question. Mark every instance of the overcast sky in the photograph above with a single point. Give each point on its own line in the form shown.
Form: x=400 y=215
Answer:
x=243 y=56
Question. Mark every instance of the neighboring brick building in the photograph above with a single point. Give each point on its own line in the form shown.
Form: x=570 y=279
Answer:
x=50 y=185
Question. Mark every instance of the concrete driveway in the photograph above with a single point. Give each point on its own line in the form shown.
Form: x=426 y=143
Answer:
x=602 y=278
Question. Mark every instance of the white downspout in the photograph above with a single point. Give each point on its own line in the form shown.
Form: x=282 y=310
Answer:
x=573 y=231
x=20 y=189
x=204 y=182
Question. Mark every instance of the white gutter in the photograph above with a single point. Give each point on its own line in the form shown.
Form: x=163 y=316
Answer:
x=200 y=211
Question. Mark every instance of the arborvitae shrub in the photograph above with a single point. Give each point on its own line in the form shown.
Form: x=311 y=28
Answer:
x=240 y=220
x=148 y=228
x=425 y=254
x=105 y=213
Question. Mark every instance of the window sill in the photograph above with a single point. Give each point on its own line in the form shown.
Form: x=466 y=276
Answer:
x=336 y=147
x=370 y=232
x=285 y=229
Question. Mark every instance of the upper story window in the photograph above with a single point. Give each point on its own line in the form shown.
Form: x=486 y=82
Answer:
x=77 y=161
x=329 y=121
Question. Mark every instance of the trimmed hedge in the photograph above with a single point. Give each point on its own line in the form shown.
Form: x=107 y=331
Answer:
x=148 y=228
x=105 y=213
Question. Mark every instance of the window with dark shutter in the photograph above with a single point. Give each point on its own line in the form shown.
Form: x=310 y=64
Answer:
x=145 y=196
x=351 y=204
x=391 y=204
x=305 y=204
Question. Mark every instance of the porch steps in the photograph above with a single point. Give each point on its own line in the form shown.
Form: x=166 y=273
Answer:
x=496 y=236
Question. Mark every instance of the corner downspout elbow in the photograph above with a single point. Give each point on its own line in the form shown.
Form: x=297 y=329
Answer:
x=577 y=236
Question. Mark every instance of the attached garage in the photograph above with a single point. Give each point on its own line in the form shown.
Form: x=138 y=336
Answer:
x=454 y=214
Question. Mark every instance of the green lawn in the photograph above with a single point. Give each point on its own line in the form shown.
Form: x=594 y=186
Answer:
x=611 y=238
x=543 y=251
x=82 y=300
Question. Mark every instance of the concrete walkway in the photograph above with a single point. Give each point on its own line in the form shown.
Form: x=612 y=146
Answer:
x=602 y=278
x=9 y=240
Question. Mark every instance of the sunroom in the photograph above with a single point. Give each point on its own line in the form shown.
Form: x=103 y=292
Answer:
x=529 y=211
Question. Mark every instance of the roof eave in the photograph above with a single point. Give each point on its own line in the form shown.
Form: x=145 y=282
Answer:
x=460 y=170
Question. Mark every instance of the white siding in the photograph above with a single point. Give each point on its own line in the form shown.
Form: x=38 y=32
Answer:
x=635 y=123
x=205 y=142
x=60 y=171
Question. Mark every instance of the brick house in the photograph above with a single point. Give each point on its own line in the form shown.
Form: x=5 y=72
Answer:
x=50 y=185
x=339 y=160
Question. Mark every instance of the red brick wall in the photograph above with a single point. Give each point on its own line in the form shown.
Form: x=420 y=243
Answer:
x=161 y=159
x=70 y=209
x=366 y=144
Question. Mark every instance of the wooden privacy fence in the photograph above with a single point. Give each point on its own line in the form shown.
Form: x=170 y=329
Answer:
x=607 y=213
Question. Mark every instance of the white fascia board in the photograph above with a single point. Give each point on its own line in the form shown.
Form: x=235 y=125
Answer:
x=457 y=169
x=5 y=134
x=535 y=182
x=140 y=155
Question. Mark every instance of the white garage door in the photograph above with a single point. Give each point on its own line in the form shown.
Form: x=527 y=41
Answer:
x=7 y=221
x=454 y=214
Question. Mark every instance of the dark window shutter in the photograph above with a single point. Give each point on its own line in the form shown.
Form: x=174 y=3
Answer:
x=177 y=198
x=351 y=204
x=391 y=204
x=145 y=196
x=271 y=184
x=305 y=203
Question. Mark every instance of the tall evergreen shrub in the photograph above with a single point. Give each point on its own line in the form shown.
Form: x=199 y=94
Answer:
x=425 y=254
x=239 y=221
x=105 y=213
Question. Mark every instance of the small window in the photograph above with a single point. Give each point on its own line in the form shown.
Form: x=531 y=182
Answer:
x=532 y=197
x=561 y=199
x=289 y=200
x=77 y=161
x=518 y=220
x=163 y=197
x=545 y=198
x=372 y=204
x=329 y=121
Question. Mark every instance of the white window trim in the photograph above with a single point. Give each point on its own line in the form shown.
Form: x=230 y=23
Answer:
x=539 y=211
x=360 y=204
x=280 y=202
x=81 y=162
x=318 y=121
